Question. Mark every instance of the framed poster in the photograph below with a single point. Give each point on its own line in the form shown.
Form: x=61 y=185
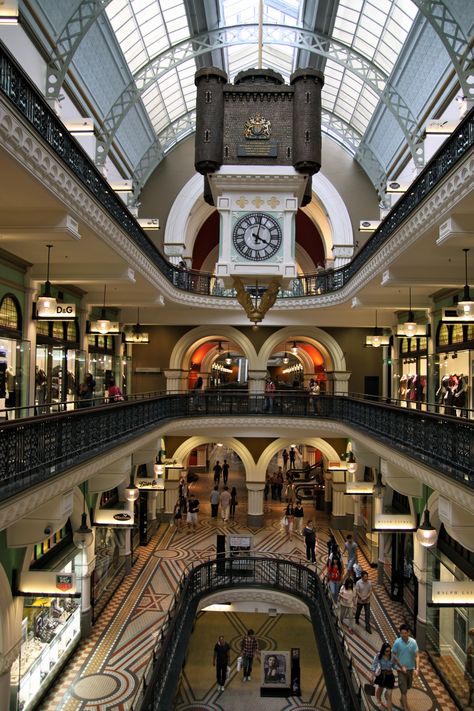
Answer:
x=276 y=669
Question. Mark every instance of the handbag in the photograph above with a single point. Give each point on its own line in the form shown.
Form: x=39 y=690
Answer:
x=369 y=689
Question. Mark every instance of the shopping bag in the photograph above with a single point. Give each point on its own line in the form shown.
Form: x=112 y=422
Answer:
x=239 y=663
x=369 y=689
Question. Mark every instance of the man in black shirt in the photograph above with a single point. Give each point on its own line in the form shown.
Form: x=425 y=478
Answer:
x=225 y=472
x=221 y=661
x=217 y=473
x=310 y=539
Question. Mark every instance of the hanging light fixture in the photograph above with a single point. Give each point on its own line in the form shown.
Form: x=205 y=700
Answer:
x=285 y=359
x=410 y=326
x=465 y=307
x=352 y=465
x=46 y=302
x=103 y=324
x=426 y=534
x=83 y=536
x=131 y=491
x=228 y=358
x=294 y=348
x=219 y=347
x=376 y=338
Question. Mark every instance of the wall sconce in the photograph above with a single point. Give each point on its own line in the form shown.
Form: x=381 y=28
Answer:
x=426 y=534
x=410 y=326
x=46 y=302
x=83 y=536
x=352 y=465
x=103 y=324
x=465 y=307
x=131 y=492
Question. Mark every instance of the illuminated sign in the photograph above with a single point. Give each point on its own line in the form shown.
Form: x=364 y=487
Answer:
x=360 y=487
x=136 y=337
x=394 y=522
x=47 y=583
x=112 y=329
x=455 y=593
x=114 y=518
x=150 y=484
x=61 y=312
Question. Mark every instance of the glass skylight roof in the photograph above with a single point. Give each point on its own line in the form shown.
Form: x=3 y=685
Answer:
x=373 y=31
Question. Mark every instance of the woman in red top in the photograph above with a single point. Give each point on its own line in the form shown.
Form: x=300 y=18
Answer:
x=334 y=574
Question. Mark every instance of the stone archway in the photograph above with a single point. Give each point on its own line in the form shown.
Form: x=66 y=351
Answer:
x=274 y=447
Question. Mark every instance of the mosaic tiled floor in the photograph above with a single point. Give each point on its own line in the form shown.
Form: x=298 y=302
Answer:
x=107 y=669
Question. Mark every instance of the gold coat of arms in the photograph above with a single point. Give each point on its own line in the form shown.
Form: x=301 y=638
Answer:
x=257 y=128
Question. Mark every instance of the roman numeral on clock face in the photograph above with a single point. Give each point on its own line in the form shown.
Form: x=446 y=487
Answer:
x=257 y=236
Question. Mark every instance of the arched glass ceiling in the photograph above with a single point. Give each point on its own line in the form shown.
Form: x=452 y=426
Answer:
x=375 y=29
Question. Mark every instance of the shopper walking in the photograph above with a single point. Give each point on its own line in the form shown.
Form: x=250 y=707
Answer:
x=285 y=457
x=225 y=472
x=363 y=589
x=214 y=499
x=225 y=503
x=350 y=548
x=310 y=540
x=217 y=473
x=384 y=677
x=334 y=575
x=407 y=656
x=233 y=502
x=292 y=458
x=221 y=661
x=192 y=515
x=347 y=603
x=248 y=650
x=299 y=515
x=290 y=520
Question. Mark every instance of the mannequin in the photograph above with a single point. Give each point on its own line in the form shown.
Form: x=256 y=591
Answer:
x=460 y=396
x=441 y=391
x=10 y=387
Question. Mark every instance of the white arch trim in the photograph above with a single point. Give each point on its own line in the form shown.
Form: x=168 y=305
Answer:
x=326 y=344
x=327 y=211
x=187 y=344
x=186 y=448
x=273 y=448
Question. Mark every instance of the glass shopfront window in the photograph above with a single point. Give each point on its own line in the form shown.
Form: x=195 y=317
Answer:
x=410 y=373
x=51 y=627
x=60 y=365
x=14 y=356
x=105 y=366
x=447 y=633
x=455 y=369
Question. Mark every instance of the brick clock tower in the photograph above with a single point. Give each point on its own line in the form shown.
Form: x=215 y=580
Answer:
x=258 y=142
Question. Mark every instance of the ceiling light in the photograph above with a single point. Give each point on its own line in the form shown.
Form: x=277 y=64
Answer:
x=426 y=533
x=410 y=326
x=83 y=536
x=228 y=359
x=46 y=303
x=465 y=307
x=131 y=492
x=294 y=348
x=352 y=465
x=103 y=324
x=285 y=359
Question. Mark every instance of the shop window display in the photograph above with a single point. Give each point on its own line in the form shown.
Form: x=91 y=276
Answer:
x=14 y=355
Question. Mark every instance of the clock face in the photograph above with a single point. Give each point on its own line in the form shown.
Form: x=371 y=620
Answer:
x=257 y=236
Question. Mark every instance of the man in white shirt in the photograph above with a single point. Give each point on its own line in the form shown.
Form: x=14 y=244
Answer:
x=363 y=589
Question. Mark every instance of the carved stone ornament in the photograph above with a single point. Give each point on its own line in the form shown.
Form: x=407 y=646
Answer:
x=257 y=128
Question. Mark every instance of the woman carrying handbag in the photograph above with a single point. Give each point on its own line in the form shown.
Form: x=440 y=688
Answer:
x=384 y=678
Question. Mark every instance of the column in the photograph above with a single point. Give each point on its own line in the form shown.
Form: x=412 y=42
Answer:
x=255 y=504
x=338 y=381
x=171 y=496
x=84 y=571
x=327 y=491
x=176 y=380
x=338 y=515
x=256 y=381
x=6 y=662
x=378 y=509
x=420 y=570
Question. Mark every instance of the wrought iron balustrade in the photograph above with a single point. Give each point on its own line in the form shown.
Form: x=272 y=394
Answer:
x=31 y=104
x=33 y=450
x=227 y=573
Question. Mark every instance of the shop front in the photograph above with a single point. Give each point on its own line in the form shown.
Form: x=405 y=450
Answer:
x=14 y=355
x=410 y=373
x=51 y=623
x=450 y=613
x=454 y=369
x=105 y=366
x=60 y=365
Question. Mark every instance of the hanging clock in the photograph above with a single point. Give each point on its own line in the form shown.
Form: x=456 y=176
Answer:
x=257 y=236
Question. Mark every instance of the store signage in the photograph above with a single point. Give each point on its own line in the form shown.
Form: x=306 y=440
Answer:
x=451 y=315
x=360 y=487
x=394 y=522
x=113 y=329
x=137 y=337
x=61 y=312
x=455 y=593
x=47 y=583
x=150 y=484
x=113 y=518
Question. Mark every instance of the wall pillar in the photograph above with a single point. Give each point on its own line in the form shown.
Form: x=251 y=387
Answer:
x=176 y=380
x=255 y=505
x=338 y=381
x=171 y=496
x=420 y=570
x=84 y=571
x=339 y=518
x=256 y=383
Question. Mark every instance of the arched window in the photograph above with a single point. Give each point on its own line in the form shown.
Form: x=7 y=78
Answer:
x=10 y=313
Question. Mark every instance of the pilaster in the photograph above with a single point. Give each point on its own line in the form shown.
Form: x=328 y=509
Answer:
x=255 y=505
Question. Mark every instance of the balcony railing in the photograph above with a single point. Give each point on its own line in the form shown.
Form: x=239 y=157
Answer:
x=31 y=104
x=162 y=677
x=34 y=450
